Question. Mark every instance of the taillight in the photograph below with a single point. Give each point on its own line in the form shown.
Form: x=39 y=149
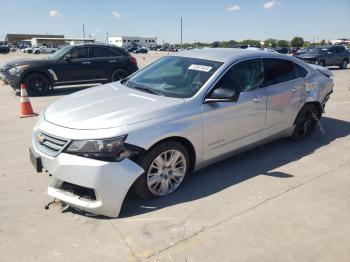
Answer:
x=133 y=60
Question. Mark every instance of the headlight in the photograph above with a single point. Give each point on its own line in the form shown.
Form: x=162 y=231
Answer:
x=17 y=69
x=110 y=148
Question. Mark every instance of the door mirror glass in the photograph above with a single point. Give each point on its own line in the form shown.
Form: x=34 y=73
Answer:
x=68 y=57
x=223 y=94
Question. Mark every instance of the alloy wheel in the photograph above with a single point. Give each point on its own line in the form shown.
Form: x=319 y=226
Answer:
x=166 y=172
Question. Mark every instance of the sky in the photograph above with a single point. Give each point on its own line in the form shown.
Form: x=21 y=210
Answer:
x=203 y=20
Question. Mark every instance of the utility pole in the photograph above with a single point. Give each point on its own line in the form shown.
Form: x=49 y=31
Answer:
x=84 y=31
x=107 y=34
x=181 y=31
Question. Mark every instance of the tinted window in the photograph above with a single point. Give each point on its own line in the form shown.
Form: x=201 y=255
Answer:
x=245 y=76
x=278 y=71
x=102 y=52
x=340 y=49
x=80 y=53
x=300 y=71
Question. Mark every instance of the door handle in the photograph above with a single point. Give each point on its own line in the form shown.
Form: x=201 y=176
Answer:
x=86 y=63
x=257 y=99
x=112 y=61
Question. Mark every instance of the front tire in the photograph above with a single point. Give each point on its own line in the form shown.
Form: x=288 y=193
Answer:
x=305 y=122
x=37 y=84
x=166 y=166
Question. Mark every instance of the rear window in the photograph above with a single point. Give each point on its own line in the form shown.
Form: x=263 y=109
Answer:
x=277 y=71
x=103 y=52
x=300 y=71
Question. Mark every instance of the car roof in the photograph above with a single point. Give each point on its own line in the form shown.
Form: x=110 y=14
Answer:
x=226 y=54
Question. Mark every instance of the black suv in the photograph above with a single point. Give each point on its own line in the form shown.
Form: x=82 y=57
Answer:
x=71 y=65
x=326 y=56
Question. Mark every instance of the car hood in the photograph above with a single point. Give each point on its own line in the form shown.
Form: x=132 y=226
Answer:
x=27 y=61
x=107 y=106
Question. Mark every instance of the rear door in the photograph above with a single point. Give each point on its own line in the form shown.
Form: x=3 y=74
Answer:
x=332 y=56
x=105 y=61
x=285 y=94
x=340 y=54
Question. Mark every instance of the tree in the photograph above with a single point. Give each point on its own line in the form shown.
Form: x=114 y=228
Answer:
x=251 y=42
x=215 y=44
x=297 y=41
x=282 y=43
x=270 y=42
x=323 y=42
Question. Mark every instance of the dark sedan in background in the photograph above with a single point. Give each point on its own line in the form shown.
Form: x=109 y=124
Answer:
x=326 y=56
x=71 y=65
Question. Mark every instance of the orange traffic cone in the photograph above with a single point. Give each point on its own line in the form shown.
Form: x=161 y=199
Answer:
x=26 y=109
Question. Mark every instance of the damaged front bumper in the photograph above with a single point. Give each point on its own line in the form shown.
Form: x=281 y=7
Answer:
x=91 y=185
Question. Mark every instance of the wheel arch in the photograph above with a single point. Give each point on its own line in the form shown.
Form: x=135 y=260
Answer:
x=316 y=104
x=186 y=143
x=37 y=71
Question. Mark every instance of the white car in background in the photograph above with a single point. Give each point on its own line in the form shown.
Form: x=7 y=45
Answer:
x=28 y=50
x=44 y=50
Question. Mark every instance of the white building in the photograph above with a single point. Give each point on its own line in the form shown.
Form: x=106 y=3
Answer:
x=126 y=41
x=340 y=41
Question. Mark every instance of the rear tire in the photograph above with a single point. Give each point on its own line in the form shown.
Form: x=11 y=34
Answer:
x=305 y=122
x=119 y=74
x=321 y=63
x=172 y=173
x=344 y=64
x=37 y=84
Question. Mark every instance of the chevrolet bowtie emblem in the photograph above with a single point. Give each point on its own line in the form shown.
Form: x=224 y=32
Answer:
x=41 y=138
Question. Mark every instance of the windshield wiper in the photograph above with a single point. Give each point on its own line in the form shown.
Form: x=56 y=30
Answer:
x=134 y=85
x=146 y=89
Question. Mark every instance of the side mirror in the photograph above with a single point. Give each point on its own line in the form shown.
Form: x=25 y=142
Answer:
x=223 y=94
x=68 y=57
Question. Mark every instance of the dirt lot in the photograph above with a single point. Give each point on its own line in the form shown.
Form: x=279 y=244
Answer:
x=284 y=201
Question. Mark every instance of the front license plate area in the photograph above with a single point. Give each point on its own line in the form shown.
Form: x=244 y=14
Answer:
x=35 y=160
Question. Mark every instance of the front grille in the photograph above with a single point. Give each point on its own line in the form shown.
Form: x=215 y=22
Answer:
x=49 y=144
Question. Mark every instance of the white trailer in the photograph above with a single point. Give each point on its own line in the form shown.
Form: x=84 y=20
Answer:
x=126 y=41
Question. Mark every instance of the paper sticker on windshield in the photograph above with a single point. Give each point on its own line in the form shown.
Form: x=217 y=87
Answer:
x=200 y=68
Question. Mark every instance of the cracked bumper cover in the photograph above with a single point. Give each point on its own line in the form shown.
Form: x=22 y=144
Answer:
x=109 y=180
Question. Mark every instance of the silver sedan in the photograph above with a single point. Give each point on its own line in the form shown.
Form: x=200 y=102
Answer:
x=177 y=115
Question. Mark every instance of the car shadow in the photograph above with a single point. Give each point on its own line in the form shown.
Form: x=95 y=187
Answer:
x=337 y=68
x=236 y=169
x=61 y=91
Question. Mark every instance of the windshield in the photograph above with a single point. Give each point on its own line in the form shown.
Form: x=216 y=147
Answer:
x=317 y=50
x=174 y=76
x=58 y=54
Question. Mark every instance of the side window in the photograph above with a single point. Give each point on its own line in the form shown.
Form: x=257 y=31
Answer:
x=278 y=71
x=80 y=53
x=245 y=76
x=332 y=50
x=340 y=49
x=300 y=71
x=102 y=52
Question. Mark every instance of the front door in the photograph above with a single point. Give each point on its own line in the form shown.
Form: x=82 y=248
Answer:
x=228 y=126
x=77 y=69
